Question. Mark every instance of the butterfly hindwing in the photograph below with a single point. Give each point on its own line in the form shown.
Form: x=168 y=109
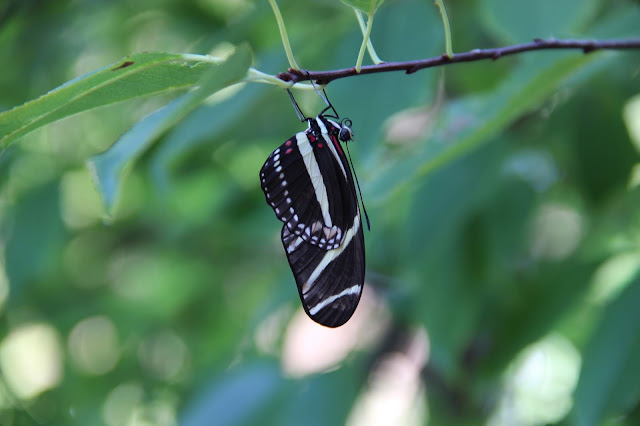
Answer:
x=329 y=282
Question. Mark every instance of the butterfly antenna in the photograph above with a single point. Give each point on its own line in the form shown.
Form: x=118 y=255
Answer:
x=296 y=107
x=364 y=209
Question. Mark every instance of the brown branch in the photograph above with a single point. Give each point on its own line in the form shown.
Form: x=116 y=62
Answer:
x=587 y=46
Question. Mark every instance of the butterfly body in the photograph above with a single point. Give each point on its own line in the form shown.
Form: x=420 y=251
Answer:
x=308 y=183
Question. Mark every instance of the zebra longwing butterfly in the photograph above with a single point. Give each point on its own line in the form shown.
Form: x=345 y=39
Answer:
x=308 y=183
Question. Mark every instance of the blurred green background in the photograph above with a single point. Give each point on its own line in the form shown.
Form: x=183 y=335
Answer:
x=502 y=264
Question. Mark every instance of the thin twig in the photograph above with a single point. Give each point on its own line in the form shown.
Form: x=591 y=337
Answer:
x=587 y=46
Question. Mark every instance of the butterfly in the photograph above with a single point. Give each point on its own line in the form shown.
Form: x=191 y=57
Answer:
x=308 y=183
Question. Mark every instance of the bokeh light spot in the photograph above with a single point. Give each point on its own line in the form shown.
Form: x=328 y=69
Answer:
x=557 y=230
x=94 y=345
x=129 y=405
x=31 y=359
x=163 y=354
x=395 y=394
x=311 y=348
x=80 y=204
x=539 y=384
x=631 y=115
x=121 y=403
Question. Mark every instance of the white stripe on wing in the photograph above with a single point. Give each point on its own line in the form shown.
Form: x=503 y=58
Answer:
x=327 y=140
x=309 y=159
x=330 y=255
x=346 y=292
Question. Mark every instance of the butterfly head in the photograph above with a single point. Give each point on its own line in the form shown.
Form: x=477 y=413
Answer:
x=346 y=134
x=326 y=124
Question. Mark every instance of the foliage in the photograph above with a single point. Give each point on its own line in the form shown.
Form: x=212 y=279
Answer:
x=502 y=264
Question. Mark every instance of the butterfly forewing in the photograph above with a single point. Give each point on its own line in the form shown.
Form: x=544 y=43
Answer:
x=339 y=184
x=308 y=183
x=301 y=183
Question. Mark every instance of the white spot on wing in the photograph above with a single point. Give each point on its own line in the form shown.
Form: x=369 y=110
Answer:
x=294 y=244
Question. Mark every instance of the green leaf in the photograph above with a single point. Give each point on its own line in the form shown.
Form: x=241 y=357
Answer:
x=609 y=378
x=524 y=21
x=474 y=121
x=203 y=126
x=109 y=165
x=364 y=5
x=142 y=74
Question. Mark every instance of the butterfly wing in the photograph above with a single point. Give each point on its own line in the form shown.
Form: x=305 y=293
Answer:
x=308 y=183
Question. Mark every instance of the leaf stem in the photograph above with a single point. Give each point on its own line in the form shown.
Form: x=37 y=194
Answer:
x=447 y=28
x=253 y=75
x=372 y=53
x=367 y=34
x=283 y=35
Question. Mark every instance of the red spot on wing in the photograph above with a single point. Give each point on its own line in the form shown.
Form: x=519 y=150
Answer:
x=124 y=65
x=312 y=138
x=288 y=151
x=287 y=143
x=337 y=144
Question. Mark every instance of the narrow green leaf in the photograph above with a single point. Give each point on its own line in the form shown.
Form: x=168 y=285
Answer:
x=109 y=165
x=142 y=74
